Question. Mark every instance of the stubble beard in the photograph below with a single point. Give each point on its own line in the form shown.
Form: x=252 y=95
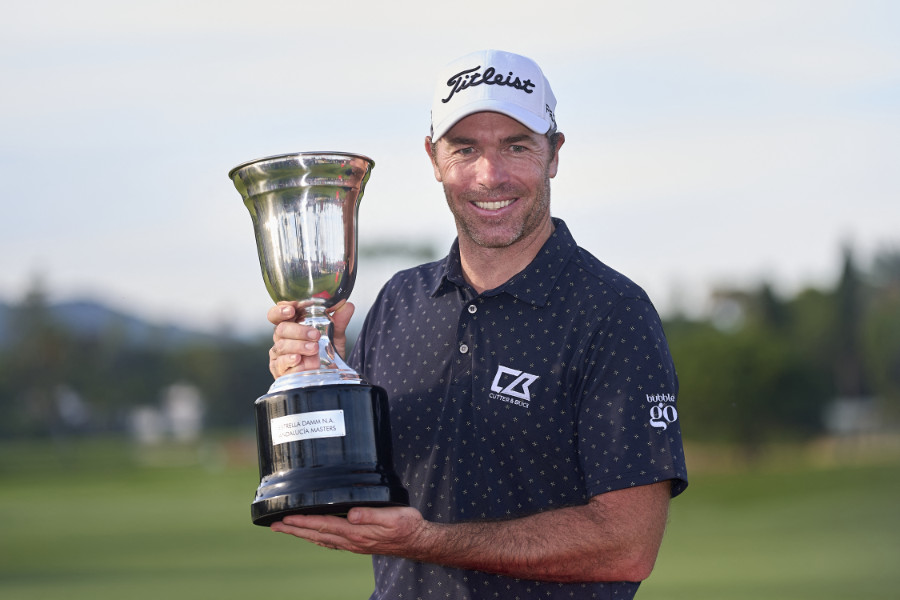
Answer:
x=483 y=238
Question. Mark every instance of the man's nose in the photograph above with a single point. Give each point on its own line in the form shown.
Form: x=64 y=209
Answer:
x=491 y=170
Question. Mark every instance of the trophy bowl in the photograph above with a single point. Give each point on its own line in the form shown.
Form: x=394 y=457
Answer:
x=323 y=435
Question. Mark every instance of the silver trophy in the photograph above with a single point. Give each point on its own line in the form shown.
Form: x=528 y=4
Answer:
x=324 y=435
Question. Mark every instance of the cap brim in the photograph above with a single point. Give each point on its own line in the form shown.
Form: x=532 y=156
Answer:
x=514 y=111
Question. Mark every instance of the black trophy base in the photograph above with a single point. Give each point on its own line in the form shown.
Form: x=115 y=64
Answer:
x=324 y=450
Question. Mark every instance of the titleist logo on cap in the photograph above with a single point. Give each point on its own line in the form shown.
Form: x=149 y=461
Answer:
x=471 y=77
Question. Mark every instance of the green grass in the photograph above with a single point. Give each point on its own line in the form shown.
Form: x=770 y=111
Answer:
x=96 y=522
x=795 y=534
x=102 y=519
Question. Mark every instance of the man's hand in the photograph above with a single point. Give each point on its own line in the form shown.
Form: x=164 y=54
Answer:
x=388 y=531
x=296 y=346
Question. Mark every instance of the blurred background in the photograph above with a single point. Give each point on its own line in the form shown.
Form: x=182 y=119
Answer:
x=738 y=160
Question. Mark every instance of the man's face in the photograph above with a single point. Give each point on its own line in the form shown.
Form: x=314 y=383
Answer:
x=496 y=175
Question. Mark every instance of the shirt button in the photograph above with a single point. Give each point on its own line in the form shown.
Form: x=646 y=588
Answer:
x=463 y=348
x=473 y=309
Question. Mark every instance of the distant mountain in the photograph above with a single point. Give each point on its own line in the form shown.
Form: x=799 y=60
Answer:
x=89 y=318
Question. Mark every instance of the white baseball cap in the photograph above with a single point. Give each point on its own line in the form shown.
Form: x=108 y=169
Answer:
x=494 y=81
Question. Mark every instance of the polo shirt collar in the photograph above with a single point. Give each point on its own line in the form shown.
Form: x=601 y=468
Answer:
x=533 y=284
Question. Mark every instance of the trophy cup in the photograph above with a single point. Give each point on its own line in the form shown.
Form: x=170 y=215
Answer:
x=323 y=436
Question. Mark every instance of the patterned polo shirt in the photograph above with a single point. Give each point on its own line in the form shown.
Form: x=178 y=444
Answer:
x=552 y=388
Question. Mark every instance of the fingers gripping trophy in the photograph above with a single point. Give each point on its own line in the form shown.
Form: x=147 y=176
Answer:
x=323 y=436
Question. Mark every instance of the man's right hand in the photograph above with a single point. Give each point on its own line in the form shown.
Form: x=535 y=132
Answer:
x=296 y=346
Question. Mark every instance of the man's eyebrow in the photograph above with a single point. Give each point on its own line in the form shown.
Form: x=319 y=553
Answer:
x=522 y=137
x=466 y=141
x=460 y=141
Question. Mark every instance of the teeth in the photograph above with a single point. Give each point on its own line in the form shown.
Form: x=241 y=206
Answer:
x=495 y=205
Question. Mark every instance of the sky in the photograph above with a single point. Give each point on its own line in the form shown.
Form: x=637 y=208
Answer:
x=708 y=144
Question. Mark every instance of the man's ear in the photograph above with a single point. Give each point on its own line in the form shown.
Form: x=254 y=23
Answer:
x=431 y=156
x=554 y=164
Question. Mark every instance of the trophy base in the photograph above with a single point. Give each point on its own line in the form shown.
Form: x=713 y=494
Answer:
x=337 y=497
x=324 y=450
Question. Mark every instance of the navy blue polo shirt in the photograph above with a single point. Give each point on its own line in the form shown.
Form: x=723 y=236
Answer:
x=552 y=388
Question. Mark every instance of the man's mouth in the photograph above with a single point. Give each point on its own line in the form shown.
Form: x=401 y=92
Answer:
x=493 y=204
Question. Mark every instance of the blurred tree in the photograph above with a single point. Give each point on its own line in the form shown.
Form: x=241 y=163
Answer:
x=772 y=311
x=881 y=331
x=849 y=298
x=35 y=360
x=748 y=385
x=231 y=377
x=886 y=269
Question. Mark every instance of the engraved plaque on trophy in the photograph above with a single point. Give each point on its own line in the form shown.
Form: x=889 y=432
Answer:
x=323 y=435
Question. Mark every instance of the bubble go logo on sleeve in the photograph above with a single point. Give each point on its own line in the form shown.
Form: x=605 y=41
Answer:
x=662 y=410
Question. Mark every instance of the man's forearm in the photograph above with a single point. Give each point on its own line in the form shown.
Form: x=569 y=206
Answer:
x=615 y=537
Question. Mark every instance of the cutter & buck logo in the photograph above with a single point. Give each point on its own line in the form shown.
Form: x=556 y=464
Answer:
x=511 y=385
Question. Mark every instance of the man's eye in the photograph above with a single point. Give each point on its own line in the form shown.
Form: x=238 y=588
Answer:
x=517 y=148
x=465 y=151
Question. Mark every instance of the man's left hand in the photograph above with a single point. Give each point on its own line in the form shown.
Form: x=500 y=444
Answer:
x=388 y=531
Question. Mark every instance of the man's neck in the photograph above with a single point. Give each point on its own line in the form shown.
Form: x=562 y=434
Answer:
x=488 y=268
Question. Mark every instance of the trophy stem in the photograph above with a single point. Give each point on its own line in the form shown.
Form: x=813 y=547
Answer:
x=328 y=356
x=332 y=368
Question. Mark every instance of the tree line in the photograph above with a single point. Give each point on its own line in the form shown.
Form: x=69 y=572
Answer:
x=764 y=368
x=758 y=368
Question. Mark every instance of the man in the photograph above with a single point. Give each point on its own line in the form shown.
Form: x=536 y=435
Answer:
x=532 y=392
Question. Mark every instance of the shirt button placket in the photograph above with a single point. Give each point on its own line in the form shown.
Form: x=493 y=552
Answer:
x=463 y=346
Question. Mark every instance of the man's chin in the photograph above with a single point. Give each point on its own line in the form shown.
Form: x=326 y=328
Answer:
x=492 y=239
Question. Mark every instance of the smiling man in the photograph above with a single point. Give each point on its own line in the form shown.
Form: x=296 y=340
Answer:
x=496 y=176
x=533 y=397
